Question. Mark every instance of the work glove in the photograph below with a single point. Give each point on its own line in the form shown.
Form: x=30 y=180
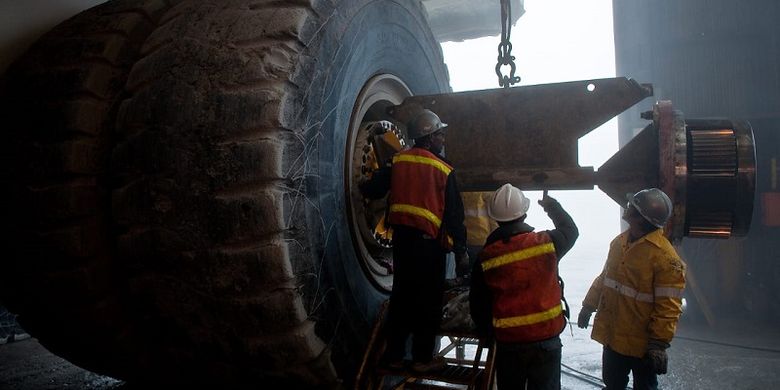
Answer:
x=584 y=318
x=546 y=201
x=462 y=265
x=655 y=358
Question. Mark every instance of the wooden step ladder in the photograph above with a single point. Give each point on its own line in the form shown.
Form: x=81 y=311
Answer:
x=464 y=371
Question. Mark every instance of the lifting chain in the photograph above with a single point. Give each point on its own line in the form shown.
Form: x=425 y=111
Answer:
x=505 y=56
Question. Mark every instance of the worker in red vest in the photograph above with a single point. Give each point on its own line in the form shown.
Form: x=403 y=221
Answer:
x=426 y=214
x=516 y=294
x=638 y=295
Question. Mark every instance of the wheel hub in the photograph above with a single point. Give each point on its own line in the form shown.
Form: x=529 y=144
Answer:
x=372 y=140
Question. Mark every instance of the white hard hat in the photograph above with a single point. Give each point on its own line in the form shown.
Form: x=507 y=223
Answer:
x=653 y=204
x=508 y=203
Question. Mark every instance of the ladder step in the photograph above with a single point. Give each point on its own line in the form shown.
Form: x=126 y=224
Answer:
x=459 y=374
x=467 y=369
x=425 y=386
x=451 y=374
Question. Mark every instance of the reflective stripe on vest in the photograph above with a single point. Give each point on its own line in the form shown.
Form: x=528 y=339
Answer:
x=479 y=213
x=417 y=195
x=627 y=291
x=422 y=160
x=523 y=254
x=528 y=319
x=419 y=211
x=671 y=292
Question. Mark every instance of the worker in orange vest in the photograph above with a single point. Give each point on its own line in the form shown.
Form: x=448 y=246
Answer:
x=638 y=296
x=516 y=294
x=426 y=214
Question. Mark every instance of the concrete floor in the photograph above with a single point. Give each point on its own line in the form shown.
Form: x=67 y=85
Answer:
x=728 y=358
x=26 y=365
x=734 y=357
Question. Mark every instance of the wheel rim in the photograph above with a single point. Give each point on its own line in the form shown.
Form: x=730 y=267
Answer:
x=371 y=238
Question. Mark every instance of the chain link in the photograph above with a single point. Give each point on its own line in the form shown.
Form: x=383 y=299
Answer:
x=505 y=56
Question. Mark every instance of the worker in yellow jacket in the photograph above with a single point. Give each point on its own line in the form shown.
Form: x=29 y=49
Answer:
x=477 y=221
x=638 y=296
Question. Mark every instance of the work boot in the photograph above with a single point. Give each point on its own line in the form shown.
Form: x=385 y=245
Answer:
x=438 y=363
x=396 y=365
x=392 y=363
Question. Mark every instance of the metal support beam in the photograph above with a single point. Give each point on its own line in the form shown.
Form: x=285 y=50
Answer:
x=526 y=135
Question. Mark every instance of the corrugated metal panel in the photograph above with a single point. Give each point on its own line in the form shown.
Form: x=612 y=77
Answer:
x=712 y=58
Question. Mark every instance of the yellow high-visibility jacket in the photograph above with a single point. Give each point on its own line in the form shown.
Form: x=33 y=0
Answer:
x=478 y=223
x=638 y=295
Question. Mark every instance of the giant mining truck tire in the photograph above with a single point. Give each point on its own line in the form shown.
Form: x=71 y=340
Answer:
x=176 y=180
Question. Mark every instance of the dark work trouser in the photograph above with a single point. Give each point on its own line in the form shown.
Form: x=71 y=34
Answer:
x=615 y=368
x=537 y=365
x=416 y=300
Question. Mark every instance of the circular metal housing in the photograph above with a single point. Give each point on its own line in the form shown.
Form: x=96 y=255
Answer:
x=707 y=167
x=371 y=139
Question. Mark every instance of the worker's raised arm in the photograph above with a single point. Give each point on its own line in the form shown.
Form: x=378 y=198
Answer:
x=565 y=233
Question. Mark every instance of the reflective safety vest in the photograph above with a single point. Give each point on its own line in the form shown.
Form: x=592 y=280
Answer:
x=522 y=274
x=417 y=195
